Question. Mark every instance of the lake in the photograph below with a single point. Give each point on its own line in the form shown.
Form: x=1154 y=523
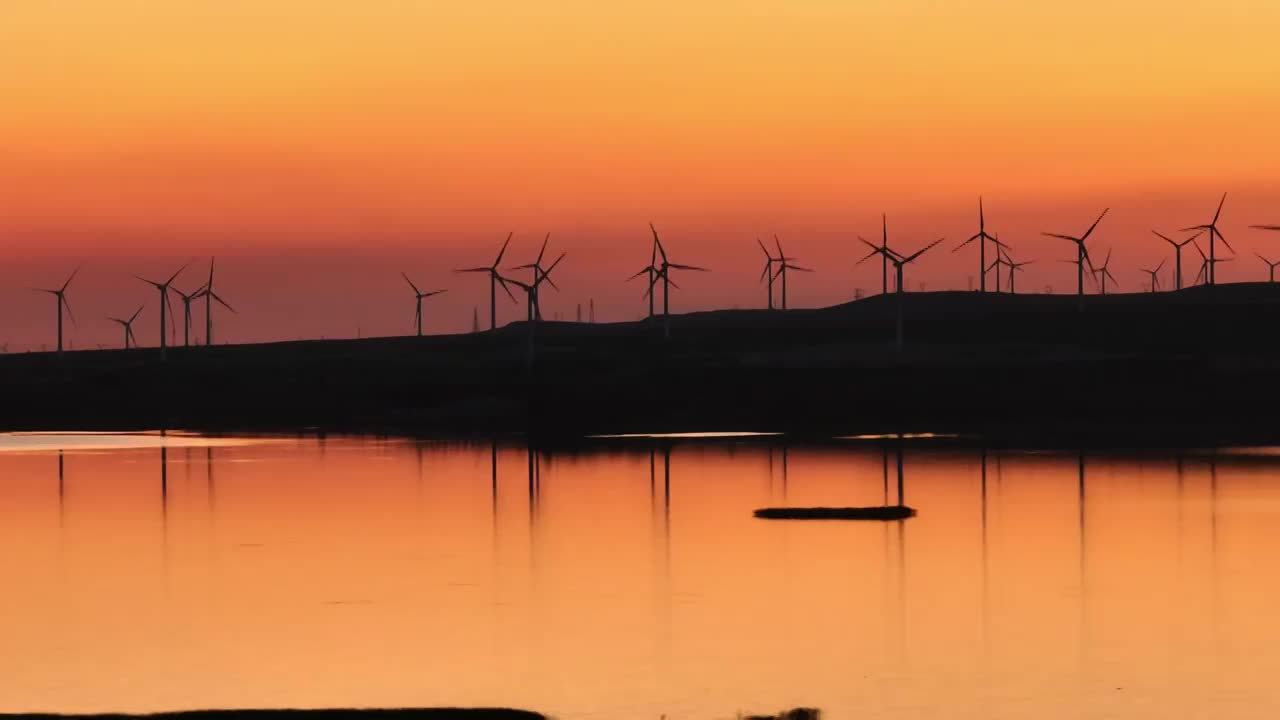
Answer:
x=627 y=578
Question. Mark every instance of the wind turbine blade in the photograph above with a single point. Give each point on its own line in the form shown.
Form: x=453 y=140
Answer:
x=1088 y=232
x=545 y=240
x=176 y=274
x=1265 y=227
x=687 y=267
x=673 y=283
x=547 y=272
x=801 y=269
x=1223 y=238
x=222 y=302
x=69 y=279
x=966 y=242
x=1061 y=237
x=503 y=282
x=764 y=249
x=921 y=251
x=169 y=307
x=211 y=261
x=1201 y=228
x=1164 y=237
x=642 y=272
x=875 y=251
x=473 y=270
x=658 y=243
x=153 y=283
x=1219 y=212
x=503 y=251
x=778 y=243
x=62 y=297
x=136 y=313
x=434 y=293
x=982 y=218
x=416 y=291
x=1162 y=262
x=767 y=267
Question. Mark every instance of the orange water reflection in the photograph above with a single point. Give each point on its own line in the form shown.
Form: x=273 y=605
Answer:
x=359 y=572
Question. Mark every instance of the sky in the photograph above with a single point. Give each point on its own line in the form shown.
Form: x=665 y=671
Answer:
x=321 y=147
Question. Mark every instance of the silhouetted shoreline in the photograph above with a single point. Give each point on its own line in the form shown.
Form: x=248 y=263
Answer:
x=1197 y=366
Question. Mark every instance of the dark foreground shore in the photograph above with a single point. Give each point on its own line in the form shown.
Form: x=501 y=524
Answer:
x=1197 y=366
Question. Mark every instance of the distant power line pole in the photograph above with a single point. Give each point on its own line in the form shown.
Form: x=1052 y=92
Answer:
x=579 y=312
x=475 y=319
x=592 y=310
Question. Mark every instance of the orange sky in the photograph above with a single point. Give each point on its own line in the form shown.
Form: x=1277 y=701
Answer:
x=416 y=134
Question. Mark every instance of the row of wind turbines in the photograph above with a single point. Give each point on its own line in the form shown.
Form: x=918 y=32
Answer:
x=205 y=292
x=774 y=274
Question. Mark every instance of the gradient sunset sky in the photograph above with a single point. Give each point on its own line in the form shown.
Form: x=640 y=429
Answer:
x=321 y=146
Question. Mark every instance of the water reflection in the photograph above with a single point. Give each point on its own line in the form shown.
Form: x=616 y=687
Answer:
x=366 y=571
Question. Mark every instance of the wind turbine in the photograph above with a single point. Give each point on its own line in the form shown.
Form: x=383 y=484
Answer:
x=187 y=299
x=982 y=237
x=163 y=287
x=539 y=272
x=495 y=279
x=417 y=318
x=61 y=301
x=1177 y=249
x=1206 y=265
x=1103 y=273
x=1155 y=275
x=531 y=299
x=653 y=268
x=664 y=271
x=1271 y=266
x=784 y=264
x=1214 y=233
x=210 y=296
x=884 y=260
x=899 y=262
x=1014 y=267
x=128 y=327
x=767 y=273
x=1083 y=253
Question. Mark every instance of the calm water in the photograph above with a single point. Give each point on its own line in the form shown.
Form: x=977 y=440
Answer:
x=363 y=572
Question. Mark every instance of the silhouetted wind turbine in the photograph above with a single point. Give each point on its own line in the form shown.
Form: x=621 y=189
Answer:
x=1177 y=249
x=1214 y=234
x=899 y=262
x=1206 y=265
x=767 y=273
x=1271 y=267
x=128 y=327
x=210 y=296
x=495 y=279
x=1014 y=267
x=1083 y=253
x=653 y=268
x=1155 y=276
x=982 y=237
x=187 y=299
x=60 y=301
x=784 y=264
x=664 y=271
x=531 y=299
x=163 y=287
x=1103 y=273
x=419 y=295
x=884 y=260
x=539 y=272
